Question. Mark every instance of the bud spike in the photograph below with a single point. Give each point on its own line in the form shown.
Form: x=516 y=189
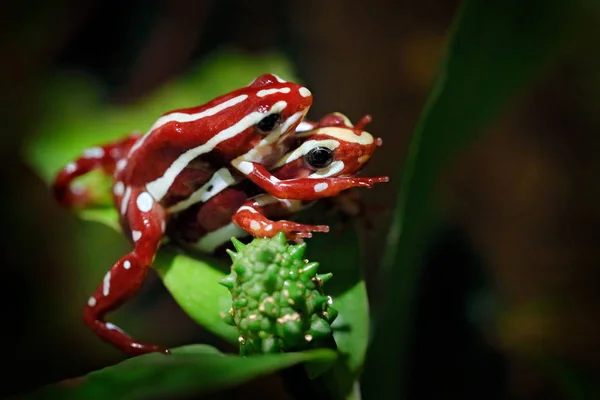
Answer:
x=320 y=328
x=320 y=300
x=237 y=244
x=228 y=282
x=324 y=277
x=232 y=254
x=332 y=314
x=297 y=251
x=280 y=236
x=310 y=269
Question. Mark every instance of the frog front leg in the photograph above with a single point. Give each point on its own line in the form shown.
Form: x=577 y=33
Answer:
x=302 y=188
x=253 y=217
x=145 y=219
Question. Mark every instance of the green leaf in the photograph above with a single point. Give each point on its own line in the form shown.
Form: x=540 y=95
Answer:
x=77 y=117
x=496 y=48
x=349 y=294
x=190 y=370
x=194 y=285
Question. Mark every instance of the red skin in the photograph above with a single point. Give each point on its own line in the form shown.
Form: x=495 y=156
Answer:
x=144 y=215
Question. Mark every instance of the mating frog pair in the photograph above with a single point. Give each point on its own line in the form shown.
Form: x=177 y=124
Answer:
x=201 y=175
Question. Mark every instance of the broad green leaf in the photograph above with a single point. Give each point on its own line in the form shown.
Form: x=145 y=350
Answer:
x=496 y=48
x=349 y=294
x=195 y=369
x=77 y=117
x=194 y=285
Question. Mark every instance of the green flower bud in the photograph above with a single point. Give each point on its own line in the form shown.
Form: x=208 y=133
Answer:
x=277 y=297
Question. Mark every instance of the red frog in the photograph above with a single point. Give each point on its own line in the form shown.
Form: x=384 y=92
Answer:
x=186 y=158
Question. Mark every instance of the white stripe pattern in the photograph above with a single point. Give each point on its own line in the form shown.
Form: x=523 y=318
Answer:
x=220 y=180
x=182 y=117
x=159 y=187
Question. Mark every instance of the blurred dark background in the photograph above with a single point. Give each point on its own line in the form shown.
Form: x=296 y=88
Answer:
x=512 y=278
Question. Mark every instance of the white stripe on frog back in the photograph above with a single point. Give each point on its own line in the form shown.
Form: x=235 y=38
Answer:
x=247 y=208
x=266 y=92
x=159 y=187
x=182 y=117
x=220 y=180
x=343 y=134
x=209 y=242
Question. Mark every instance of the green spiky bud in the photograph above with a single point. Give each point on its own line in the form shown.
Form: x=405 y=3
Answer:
x=277 y=296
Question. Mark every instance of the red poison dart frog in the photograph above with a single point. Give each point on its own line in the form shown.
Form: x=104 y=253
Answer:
x=187 y=158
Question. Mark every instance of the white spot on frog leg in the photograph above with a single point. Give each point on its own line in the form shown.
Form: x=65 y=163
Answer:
x=278 y=79
x=106 y=284
x=319 y=187
x=304 y=92
x=78 y=188
x=93 y=152
x=266 y=92
x=269 y=227
x=159 y=187
x=125 y=200
x=70 y=167
x=121 y=164
x=136 y=235
x=119 y=189
x=112 y=327
x=274 y=179
x=245 y=167
x=126 y=264
x=92 y=301
x=144 y=202
x=254 y=225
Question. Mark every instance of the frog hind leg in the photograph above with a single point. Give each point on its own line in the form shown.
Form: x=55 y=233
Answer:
x=103 y=157
x=146 y=222
x=252 y=217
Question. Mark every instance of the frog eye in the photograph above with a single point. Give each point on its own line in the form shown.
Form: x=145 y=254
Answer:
x=319 y=157
x=268 y=123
